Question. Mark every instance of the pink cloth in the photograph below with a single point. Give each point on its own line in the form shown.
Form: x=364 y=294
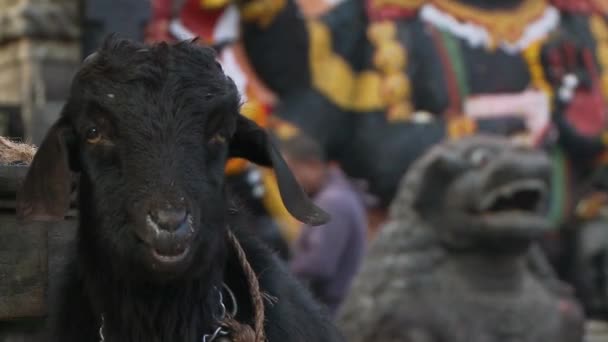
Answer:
x=531 y=105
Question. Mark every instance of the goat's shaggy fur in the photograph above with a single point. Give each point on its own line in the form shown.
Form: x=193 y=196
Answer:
x=149 y=127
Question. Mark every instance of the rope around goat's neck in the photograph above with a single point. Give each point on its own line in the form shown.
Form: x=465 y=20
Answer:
x=254 y=288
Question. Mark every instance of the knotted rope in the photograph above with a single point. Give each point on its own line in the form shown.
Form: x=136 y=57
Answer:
x=243 y=332
x=12 y=152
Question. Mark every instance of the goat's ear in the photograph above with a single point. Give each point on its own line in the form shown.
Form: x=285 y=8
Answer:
x=252 y=142
x=45 y=192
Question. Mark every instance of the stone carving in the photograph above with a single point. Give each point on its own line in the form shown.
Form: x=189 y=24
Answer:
x=457 y=260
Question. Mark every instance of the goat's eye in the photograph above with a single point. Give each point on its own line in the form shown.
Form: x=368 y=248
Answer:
x=93 y=136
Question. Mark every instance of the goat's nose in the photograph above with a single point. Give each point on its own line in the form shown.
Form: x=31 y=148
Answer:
x=169 y=219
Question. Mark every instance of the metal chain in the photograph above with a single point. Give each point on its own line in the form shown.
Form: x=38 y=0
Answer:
x=222 y=330
x=101 y=337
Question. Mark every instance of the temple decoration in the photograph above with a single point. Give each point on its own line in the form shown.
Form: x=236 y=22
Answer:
x=390 y=60
x=511 y=30
x=335 y=78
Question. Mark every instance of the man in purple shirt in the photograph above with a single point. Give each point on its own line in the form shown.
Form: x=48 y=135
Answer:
x=326 y=258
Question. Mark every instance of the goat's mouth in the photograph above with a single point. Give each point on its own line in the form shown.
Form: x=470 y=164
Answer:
x=169 y=246
x=170 y=259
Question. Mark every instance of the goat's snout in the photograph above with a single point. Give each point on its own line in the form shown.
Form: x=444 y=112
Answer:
x=170 y=219
x=168 y=231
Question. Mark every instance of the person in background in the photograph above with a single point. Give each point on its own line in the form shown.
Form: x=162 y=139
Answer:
x=326 y=258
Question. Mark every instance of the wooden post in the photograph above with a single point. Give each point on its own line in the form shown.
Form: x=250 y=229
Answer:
x=32 y=256
x=23 y=255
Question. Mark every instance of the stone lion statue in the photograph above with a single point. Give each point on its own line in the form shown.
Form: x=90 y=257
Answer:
x=457 y=262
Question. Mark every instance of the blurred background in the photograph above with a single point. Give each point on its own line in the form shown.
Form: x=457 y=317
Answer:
x=43 y=42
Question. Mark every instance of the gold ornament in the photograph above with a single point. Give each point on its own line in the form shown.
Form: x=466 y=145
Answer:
x=403 y=4
x=214 y=4
x=502 y=25
x=395 y=87
x=333 y=77
x=381 y=31
x=401 y=112
x=390 y=57
x=537 y=74
x=460 y=127
x=599 y=29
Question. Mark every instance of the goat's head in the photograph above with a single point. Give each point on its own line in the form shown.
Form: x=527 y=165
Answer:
x=149 y=129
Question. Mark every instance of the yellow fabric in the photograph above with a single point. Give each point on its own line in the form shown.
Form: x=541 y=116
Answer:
x=214 y=4
x=404 y=4
x=460 y=127
x=532 y=56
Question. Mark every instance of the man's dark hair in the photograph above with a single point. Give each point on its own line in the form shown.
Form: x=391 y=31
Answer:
x=303 y=148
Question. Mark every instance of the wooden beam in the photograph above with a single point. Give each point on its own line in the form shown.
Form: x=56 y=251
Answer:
x=23 y=268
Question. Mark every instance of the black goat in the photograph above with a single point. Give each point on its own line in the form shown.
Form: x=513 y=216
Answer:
x=149 y=129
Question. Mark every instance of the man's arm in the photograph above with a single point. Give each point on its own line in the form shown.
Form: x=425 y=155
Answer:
x=320 y=259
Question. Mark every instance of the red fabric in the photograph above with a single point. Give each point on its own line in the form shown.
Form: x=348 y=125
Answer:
x=577 y=6
x=390 y=12
x=201 y=22
x=586 y=113
x=198 y=20
x=161 y=9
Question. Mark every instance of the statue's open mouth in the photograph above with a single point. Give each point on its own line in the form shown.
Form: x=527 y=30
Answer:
x=521 y=196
